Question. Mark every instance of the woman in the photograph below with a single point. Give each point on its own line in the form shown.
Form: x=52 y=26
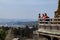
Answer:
x=44 y=16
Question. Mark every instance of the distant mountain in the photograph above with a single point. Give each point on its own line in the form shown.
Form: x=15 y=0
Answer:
x=14 y=20
x=26 y=23
x=18 y=21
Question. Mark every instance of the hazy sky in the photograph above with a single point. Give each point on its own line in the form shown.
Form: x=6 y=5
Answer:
x=26 y=9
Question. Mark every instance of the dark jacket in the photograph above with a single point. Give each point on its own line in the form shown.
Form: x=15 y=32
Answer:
x=47 y=18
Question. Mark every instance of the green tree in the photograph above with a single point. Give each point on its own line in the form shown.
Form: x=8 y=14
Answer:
x=2 y=34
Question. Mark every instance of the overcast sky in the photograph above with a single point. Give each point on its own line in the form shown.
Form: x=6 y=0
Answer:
x=26 y=9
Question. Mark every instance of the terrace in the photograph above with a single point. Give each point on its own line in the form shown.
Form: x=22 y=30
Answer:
x=51 y=27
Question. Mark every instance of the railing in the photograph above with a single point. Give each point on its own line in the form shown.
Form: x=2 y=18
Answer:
x=49 y=20
x=52 y=25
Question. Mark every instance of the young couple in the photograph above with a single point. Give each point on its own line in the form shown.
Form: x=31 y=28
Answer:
x=45 y=17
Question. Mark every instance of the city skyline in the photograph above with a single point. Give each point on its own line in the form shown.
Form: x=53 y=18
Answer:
x=27 y=9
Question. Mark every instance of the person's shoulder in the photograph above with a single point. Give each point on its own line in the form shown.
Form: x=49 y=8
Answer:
x=47 y=16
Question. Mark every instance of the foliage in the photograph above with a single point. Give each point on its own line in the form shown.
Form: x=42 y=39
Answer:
x=2 y=34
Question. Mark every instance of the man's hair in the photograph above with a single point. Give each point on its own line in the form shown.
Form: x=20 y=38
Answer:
x=45 y=14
